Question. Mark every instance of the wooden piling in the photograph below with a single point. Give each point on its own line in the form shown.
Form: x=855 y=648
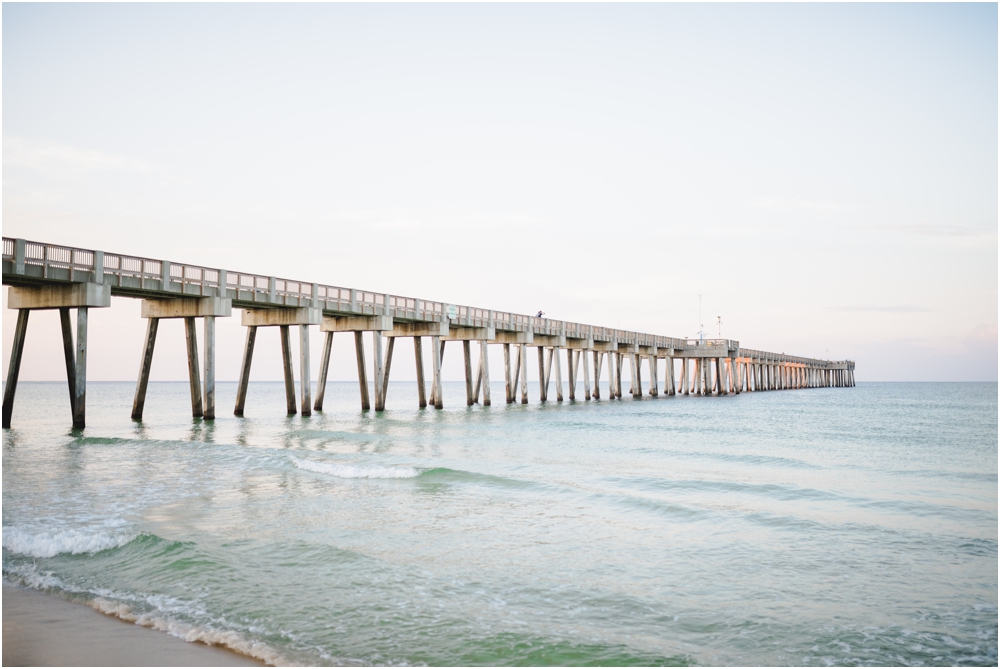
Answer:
x=241 y=390
x=139 y=401
x=15 y=368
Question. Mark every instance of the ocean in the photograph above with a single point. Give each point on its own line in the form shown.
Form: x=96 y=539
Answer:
x=808 y=527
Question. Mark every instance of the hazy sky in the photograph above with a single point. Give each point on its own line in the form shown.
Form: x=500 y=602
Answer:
x=824 y=175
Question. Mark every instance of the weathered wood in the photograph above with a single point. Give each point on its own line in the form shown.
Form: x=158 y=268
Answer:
x=286 y=364
x=69 y=353
x=17 y=349
x=194 y=376
x=80 y=375
x=359 y=352
x=484 y=366
x=305 y=379
x=241 y=390
x=418 y=354
x=209 y=397
x=467 y=357
x=324 y=369
x=139 y=402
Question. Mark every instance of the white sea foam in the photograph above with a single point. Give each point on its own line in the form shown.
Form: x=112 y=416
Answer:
x=49 y=543
x=192 y=633
x=355 y=472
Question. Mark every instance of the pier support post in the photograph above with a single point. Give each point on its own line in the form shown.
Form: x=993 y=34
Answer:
x=507 y=379
x=241 y=390
x=541 y=374
x=359 y=351
x=69 y=353
x=598 y=355
x=654 y=375
x=437 y=352
x=15 y=368
x=467 y=356
x=194 y=378
x=418 y=354
x=522 y=357
x=304 y=377
x=209 y=368
x=138 y=403
x=586 y=376
x=378 y=369
x=484 y=366
x=80 y=398
x=286 y=363
x=571 y=357
x=554 y=357
x=324 y=369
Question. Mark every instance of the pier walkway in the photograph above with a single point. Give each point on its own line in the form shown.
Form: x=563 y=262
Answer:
x=49 y=276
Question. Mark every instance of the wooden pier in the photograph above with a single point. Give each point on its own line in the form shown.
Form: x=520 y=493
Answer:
x=48 y=276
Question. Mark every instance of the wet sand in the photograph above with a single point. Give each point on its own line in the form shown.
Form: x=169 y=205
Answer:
x=44 y=630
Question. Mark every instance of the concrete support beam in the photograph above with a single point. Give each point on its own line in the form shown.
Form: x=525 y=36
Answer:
x=418 y=354
x=59 y=296
x=512 y=337
x=400 y=329
x=522 y=356
x=194 y=378
x=187 y=307
x=286 y=365
x=304 y=376
x=69 y=354
x=209 y=399
x=281 y=317
x=139 y=401
x=80 y=377
x=359 y=350
x=324 y=369
x=469 y=334
x=359 y=324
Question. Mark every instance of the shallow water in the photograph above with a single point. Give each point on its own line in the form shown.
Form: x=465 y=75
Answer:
x=823 y=526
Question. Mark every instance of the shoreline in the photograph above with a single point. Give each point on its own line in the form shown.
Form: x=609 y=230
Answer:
x=43 y=629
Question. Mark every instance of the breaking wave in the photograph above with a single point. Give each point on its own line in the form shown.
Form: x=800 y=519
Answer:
x=191 y=633
x=48 y=544
x=356 y=472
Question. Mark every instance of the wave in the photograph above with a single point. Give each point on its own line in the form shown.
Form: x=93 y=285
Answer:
x=50 y=543
x=191 y=633
x=356 y=472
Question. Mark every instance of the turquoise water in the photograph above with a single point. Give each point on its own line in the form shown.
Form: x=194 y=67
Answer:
x=815 y=527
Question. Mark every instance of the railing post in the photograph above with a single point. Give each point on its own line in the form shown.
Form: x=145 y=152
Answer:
x=98 y=267
x=165 y=275
x=19 y=250
x=271 y=288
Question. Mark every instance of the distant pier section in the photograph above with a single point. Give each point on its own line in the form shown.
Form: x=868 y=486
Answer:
x=49 y=276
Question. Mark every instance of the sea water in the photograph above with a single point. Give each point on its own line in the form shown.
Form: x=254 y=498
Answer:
x=823 y=526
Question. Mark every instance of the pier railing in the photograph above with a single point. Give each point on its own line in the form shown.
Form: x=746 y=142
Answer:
x=28 y=262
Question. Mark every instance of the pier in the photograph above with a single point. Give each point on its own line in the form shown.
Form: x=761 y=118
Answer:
x=49 y=276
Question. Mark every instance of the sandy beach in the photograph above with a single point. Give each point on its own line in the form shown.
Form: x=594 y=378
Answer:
x=44 y=630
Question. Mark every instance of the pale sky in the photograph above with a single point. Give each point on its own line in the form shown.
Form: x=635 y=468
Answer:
x=824 y=175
